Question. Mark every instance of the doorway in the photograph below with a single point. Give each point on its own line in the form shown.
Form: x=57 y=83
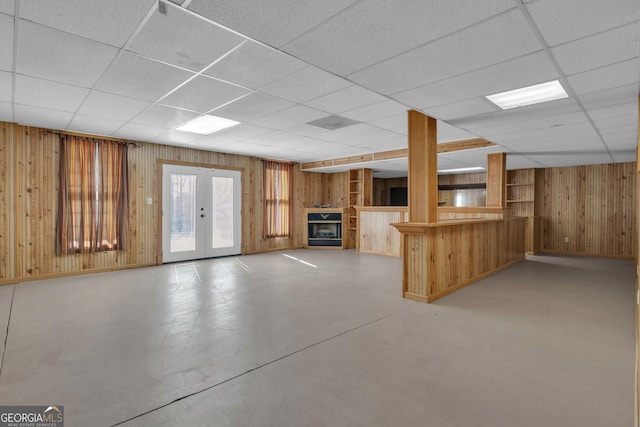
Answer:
x=201 y=212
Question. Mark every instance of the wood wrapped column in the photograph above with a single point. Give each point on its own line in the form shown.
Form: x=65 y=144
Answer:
x=497 y=180
x=423 y=168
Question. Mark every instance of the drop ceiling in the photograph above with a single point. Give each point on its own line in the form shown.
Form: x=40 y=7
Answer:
x=127 y=70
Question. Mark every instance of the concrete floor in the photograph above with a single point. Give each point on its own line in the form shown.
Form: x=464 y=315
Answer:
x=267 y=340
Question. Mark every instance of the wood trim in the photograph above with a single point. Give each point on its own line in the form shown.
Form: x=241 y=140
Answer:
x=588 y=255
x=73 y=273
x=465 y=144
x=382 y=208
x=400 y=153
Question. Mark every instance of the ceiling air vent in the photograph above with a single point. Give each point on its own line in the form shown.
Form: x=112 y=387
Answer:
x=333 y=122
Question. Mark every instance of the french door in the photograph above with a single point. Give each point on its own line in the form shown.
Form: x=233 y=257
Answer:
x=201 y=213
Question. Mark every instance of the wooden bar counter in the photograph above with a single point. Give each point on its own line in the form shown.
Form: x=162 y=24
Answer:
x=451 y=254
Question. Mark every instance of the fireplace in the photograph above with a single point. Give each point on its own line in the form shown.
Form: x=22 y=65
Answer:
x=324 y=229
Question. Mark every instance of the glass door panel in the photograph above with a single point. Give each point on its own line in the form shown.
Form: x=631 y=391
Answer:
x=183 y=212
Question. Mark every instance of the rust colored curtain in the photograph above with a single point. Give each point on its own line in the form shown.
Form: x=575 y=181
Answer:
x=93 y=197
x=278 y=188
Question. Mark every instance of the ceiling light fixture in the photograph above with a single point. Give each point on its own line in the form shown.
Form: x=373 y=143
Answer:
x=474 y=168
x=529 y=95
x=204 y=125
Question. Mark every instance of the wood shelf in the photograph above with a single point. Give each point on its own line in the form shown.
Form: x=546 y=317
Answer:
x=519 y=201
x=360 y=194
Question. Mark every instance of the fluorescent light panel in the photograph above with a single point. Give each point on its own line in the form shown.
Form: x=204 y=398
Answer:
x=474 y=168
x=204 y=125
x=529 y=95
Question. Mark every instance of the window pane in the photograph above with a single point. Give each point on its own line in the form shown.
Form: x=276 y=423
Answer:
x=183 y=212
x=222 y=209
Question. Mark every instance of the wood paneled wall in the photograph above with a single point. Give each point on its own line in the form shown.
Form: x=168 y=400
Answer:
x=382 y=189
x=29 y=163
x=593 y=206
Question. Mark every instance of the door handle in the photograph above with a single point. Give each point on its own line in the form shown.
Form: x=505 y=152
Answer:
x=201 y=215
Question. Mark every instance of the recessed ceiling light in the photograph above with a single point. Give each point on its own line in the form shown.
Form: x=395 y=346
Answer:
x=475 y=168
x=529 y=95
x=204 y=125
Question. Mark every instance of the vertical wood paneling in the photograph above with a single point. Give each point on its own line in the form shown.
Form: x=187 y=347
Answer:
x=593 y=207
x=7 y=211
x=382 y=190
x=377 y=235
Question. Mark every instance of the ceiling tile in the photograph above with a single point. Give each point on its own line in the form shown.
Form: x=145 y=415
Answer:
x=567 y=20
x=137 y=132
x=384 y=145
x=59 y=56
x=253 y=65
x=47 y=94
x=252 y=106
x=618 y=110
x=514 y=115
x=447 y=133
x=292 y=116
x=182 y=39
x=116 y=107
x=461 y=109
x=203 y=94
x=370 y=138
x=552 y=122
x=6 y=7
x=596 y=51
x=141 y=78
x=516 y=73
x=241 y=131
x=112 y=24
x=305 y=130
x=604 y=98
x=375 y=30
x=282 y=140
x=521 y=162
x=94 y=125
x=275 y=24
x=376 y=111
x=493 y=41
x=177 y=137
x=306 y=84
x=164 y=117
x=391 y=122
x=559 y=160
x=348 y=132
x=346 y=99
x=6 y=43
x=6 y=87
x=612 y=76
x=616 y=122
x=6 y=112
x=624 y=157
x=41 y=117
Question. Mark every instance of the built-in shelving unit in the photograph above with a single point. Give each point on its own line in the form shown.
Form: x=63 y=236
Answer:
x=522 y=186
x=360 y=194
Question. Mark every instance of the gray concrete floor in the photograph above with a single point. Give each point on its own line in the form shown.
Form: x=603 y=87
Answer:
x=266 y=340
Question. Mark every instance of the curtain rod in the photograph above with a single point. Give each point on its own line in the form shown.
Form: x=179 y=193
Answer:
x=136 y=144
